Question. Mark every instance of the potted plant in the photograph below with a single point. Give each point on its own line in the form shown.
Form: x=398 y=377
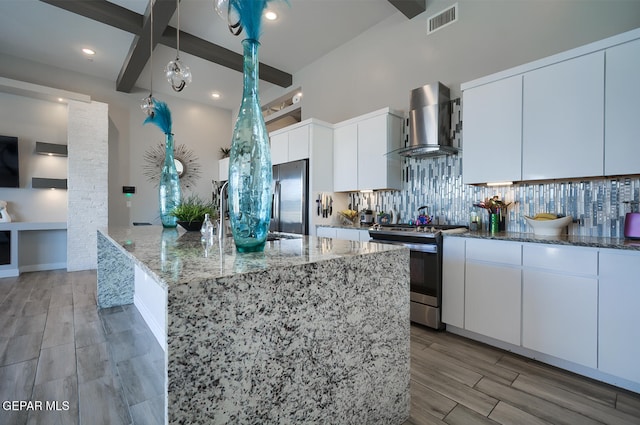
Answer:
x=191 y=212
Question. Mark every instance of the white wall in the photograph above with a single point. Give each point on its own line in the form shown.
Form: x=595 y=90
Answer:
x=32 y=120
x=381 y=66
x=203 y=128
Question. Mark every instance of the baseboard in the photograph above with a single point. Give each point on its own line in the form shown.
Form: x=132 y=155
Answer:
x=9 y=273
x=41 y=267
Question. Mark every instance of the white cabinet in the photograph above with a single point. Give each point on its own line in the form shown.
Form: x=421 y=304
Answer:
x=493 y=132
x=493 y=289
x=361 y=235
x=453 y=257
x=326 y=232
x=560 y=302
x=563 y=119
x=223 y=169
x=360 y=152
x=619 y=315
x=345 y=158
x=290 y=144
x=622 y=109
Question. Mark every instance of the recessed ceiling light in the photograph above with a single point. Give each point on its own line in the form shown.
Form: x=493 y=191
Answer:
x=271 y=15
x=89 y=52
x=60 y=99
x=216 y=95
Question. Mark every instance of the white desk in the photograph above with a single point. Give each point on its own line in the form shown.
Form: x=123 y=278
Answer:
x=35 y=246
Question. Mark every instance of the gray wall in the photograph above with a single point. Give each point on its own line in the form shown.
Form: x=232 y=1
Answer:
x=381 y=66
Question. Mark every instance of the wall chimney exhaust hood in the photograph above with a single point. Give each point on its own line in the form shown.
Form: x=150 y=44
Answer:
x=429 y=123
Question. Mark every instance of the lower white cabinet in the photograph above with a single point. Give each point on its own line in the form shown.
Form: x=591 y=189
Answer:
x=573 y=307
x=453 y=255
x=493 y=289
x=326 y=232
x=560 y=302
x=343 y=233
x=619 y=315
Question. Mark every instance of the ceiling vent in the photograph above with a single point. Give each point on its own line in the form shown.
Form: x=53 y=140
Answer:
x=442 y=19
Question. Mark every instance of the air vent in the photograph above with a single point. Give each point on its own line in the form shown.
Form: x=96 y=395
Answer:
x=442 y=19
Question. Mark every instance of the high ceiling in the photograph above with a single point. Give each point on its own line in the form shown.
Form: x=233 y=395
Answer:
x=43 y=31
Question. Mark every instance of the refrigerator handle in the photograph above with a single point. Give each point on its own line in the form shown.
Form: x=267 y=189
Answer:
x=275 y=201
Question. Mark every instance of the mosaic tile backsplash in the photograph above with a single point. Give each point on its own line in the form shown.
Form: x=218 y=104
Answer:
x=598 y=206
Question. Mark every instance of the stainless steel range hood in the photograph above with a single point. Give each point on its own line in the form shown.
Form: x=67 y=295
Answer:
x=429 y=123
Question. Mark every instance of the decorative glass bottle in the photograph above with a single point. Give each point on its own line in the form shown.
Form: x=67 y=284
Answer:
x=250 y=171
x=169 y=188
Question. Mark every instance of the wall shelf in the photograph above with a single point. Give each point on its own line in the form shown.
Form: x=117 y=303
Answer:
x=52 y=149
x=43 y=183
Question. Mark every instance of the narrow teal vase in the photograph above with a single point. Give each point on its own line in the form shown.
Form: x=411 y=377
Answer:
x=169 y=193
x=250 y=164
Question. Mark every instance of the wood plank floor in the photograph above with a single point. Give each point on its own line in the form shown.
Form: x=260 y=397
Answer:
x=55 y=345
x=458 y=381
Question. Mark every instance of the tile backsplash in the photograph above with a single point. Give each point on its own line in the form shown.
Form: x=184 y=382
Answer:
x=598 y=205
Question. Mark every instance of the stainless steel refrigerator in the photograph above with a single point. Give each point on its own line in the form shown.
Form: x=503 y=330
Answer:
x=290 y=205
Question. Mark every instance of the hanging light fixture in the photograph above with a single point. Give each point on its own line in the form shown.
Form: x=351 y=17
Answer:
x=177 y=74
x=147 y=104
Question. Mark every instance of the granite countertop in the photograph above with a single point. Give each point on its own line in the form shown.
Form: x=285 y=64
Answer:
x=175 y=257
x=572 y=240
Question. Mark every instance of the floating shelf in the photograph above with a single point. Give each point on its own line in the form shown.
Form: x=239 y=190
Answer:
x=52 y=149
x=42 y=183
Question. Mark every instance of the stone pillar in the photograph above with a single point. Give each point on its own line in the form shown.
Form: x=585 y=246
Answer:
x=87 y=205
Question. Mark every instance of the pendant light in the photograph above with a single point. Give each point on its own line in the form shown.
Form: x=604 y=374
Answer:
x=177 y=74
x=147 y=104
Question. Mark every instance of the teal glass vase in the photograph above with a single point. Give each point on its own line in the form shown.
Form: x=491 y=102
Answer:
x=250 y=171
x=169 y=190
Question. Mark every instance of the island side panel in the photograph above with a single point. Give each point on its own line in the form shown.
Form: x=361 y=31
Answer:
x=116 y=275
x=325 y=342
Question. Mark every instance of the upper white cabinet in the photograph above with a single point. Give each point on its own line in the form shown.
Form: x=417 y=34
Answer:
x=563 y=119
x=622 y=109
x=619 y=316
x=291 y=144
x=493 y=130
x=575 y=114
x=360 y=152
x=345 y=158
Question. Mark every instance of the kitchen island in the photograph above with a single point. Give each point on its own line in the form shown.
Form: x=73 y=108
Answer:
x=312 y=330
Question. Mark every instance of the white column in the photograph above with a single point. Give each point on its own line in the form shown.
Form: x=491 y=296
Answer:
x=87 y=131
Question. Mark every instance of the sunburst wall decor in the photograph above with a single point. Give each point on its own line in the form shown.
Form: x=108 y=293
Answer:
x=185 y=157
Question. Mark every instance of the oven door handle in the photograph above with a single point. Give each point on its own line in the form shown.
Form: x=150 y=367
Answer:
x=420 y=247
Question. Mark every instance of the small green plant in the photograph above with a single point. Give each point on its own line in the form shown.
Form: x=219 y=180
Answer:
x=194 y=208
x=225 y=152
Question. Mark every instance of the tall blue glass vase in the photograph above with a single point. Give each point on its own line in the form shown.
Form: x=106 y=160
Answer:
x=250 y=164
x=169 y=192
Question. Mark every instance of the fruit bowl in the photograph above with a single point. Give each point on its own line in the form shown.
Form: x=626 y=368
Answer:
x=544 y=226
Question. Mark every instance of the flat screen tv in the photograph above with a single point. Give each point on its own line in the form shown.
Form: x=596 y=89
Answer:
x=9 y=170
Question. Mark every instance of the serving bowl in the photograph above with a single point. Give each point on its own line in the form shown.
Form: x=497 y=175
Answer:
x=553 y=227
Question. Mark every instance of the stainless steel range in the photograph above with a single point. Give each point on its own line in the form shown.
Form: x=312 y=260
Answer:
x=425 y=244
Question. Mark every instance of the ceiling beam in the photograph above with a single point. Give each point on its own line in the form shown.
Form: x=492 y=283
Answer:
x=410 y=8
x=111 y=14
x=228 y=58
x=140 y=49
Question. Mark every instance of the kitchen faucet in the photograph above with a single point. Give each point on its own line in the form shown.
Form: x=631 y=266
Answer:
x=221 y=211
